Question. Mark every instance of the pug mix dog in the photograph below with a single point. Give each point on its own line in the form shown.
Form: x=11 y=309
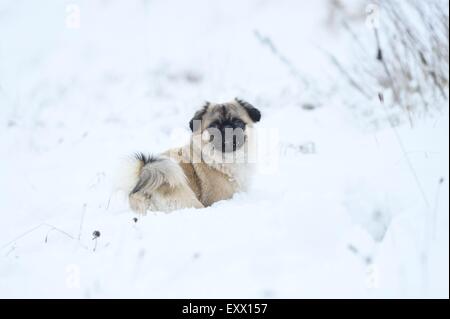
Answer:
x=212 y=167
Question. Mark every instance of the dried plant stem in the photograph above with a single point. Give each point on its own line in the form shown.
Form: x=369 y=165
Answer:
x=52 y=228
x=349 y=78
x=408 y=160
x=267 y=42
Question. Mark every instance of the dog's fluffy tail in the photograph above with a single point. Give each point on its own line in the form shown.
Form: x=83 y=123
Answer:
x=151 y=172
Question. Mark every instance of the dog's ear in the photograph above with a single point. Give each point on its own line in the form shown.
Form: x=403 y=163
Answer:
x=252 y=111
x=198 y=116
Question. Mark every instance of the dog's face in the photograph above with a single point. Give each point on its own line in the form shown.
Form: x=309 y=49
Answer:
x=225 y=126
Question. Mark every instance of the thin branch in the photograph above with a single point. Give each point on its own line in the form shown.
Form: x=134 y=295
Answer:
x=22 y=235
x=267 y=42
x=52 y=228
x=350 y=79
x=406 y=156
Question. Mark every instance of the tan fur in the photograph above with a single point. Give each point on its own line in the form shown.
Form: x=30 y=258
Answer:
x=204 y=180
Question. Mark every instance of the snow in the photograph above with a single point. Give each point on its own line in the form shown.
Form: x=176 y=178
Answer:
x=337 y=212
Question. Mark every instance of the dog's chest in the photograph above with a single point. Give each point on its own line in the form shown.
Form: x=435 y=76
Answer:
x=221 y=182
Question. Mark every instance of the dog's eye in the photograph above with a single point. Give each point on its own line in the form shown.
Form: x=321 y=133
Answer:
x=214 y=125
x=239 y=124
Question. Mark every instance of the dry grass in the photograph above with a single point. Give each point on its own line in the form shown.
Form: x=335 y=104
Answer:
x=403 y=56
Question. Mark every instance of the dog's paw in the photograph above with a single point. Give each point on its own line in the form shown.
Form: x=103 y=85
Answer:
x=139 y=203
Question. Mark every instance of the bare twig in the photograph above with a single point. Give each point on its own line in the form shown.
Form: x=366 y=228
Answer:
x=408 y=160
x=353 y=82
x=380 y=58
x=436 y=208
x=412 y=43
x=59 y=231
x=267 y=42
x=22 y=235
x=52 y=228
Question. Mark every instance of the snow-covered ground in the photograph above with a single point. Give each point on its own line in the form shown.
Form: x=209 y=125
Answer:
x=335 y=211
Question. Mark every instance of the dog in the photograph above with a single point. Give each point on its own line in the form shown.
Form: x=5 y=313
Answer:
x=213 y=166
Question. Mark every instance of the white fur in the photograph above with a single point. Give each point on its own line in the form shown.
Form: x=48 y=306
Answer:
x=163 y=171
x=234 y=165
x=127 y=175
